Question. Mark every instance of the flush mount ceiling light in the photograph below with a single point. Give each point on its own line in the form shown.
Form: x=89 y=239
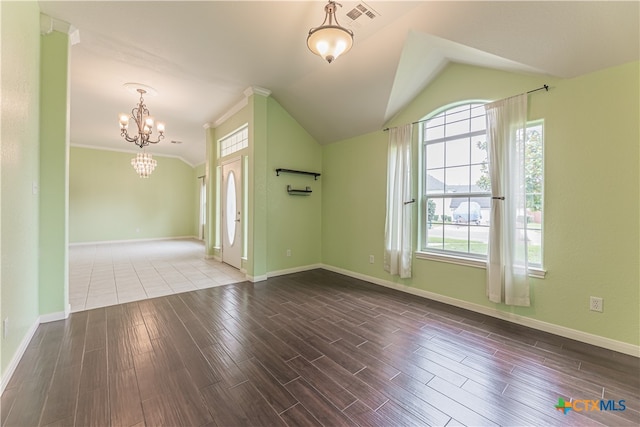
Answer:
x=330 y=40
x=142 y=118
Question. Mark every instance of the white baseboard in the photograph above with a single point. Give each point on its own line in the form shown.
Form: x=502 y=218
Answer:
x=254 y=279
x=8 y=373
x=45 y=318
x=151 y=239
x=293 y=270
x=276 y=273
x=608 y=343
x=54 y=317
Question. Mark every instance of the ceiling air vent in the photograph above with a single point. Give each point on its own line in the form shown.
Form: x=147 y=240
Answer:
x=361 y=15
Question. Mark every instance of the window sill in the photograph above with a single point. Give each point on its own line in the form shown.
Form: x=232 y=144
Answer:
x=538 y=273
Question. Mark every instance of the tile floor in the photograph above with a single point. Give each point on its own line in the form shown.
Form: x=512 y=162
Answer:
x=114 y=273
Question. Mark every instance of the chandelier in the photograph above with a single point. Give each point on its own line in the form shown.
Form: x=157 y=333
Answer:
x=330 y=40
x=144 y=164
x=144 y=122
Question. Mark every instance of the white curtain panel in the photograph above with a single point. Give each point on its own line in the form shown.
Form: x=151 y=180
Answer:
x=397 y=234
x=507 y=268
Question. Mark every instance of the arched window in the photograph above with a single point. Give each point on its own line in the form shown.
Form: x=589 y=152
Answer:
x=456 y=190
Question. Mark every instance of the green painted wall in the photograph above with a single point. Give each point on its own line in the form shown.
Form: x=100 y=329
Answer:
x=353 y=205
x=591 y=205
x=20 y=115
x=293 y=222
x=54 y=157
x=109 y=201
x=276 y=221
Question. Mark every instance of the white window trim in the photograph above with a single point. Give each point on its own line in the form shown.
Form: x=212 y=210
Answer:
x=421 y=216
x=536 y=272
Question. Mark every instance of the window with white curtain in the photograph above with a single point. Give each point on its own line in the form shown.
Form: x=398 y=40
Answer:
x=456 y=189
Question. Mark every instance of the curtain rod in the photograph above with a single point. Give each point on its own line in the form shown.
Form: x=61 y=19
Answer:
x=545 y=87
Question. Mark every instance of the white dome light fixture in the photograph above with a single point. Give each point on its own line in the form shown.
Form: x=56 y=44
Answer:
x=330 y=40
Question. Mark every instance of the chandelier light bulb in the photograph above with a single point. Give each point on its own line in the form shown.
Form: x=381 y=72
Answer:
x=124 y=121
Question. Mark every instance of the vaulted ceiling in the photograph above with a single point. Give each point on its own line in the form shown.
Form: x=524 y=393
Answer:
x=200 y=57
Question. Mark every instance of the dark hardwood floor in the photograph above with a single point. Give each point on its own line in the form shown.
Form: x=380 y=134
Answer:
x=309 y=349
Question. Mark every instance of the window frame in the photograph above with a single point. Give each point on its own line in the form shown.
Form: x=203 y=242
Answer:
x=454 y=257
x=234 y=141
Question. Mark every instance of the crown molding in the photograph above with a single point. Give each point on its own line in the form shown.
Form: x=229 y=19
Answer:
x=49 y=25
x=233 y=110
x=124 y=150
x=256 y=90
x=251 y=90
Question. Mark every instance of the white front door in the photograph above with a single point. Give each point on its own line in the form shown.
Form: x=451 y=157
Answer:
x=231 y=213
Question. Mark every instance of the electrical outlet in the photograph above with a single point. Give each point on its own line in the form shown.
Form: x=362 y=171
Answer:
x=596 y=304
x=288 y=252
x=5 y=328
x=371 y=259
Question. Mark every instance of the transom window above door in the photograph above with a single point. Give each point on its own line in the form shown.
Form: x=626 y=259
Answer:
x=235 y=141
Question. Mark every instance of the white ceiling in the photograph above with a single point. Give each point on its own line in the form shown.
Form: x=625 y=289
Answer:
x=200 y=56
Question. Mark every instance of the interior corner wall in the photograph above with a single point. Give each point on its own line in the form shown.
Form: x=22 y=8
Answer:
x=258 y=148
x=108 y=201
x=20 y=115
x=293 y=221
x=54 y=143
x=591 y=208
